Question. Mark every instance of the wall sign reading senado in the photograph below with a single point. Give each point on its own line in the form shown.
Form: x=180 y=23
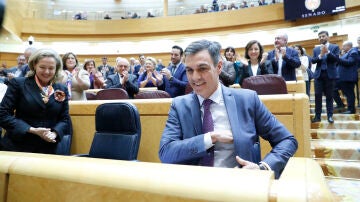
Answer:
x=295 y=9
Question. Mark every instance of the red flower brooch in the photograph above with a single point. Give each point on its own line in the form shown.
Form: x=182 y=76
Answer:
x=59 y=95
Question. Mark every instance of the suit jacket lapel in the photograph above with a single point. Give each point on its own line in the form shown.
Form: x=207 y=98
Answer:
x=34 y=91
x=195 y=113
x=232 y=113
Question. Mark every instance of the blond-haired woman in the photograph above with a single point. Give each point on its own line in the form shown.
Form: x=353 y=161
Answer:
x=35 y=110
x=150 y=78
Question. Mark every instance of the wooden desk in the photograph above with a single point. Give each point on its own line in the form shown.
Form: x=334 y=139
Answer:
x=40 y=177
x=288 y=109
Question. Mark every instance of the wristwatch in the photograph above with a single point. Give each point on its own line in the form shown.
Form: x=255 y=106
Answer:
x=171 y=78
x=262 y=167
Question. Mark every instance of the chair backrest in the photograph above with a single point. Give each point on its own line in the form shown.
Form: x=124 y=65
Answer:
x=118 y=132
x=266 y=84
x=90 y=96
x=63 y=147
x=112 y=94
x=152 y=94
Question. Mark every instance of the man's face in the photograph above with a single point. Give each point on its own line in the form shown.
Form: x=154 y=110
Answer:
x=121 y=66
x=346 y=47
x=104 y=60
x=323 y=38
x=21 y=60
x=175 y=56
x=203 y=76
x=280 y=41
x=142 y=59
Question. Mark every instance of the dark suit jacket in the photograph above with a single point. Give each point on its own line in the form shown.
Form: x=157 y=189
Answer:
x=182 y=141
x=130 y=85
x=13 y=70
x=22 y=108
x=245 y=71
x=328 y=61
x=348 y=65
x=290 y=62
x=228 y=73
x=107 y=74
x=177 y=86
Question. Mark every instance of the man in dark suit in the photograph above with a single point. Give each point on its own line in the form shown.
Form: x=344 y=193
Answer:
x=284 y=59
x=16 y=71
x=174 y=76
x=325 y=57
x=347 y=68
x=122 y=78
x=105 y=68
x=220 y=126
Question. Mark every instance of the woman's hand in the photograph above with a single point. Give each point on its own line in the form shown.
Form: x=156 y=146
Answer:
x=44 y=133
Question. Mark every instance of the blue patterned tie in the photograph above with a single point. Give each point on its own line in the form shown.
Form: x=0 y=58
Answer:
x=207 y=126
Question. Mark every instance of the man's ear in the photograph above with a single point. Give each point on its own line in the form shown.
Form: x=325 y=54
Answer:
x=219 y=66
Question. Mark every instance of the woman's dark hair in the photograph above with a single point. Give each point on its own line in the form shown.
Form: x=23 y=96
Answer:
x=231 y=49
x=300 y=48
x=65 y=57
x=248 y=46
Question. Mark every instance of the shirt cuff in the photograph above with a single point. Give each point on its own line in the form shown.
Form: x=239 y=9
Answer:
x=207 y=140
x=266 y=165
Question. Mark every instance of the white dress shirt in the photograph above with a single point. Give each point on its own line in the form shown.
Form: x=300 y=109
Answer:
x=224 y=155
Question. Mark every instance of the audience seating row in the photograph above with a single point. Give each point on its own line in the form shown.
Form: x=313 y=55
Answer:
x=40 y=177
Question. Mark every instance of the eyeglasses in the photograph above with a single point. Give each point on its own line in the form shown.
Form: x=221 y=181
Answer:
x=125 y=66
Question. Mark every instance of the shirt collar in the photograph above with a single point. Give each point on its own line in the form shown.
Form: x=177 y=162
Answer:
x=176 y=66
x=215 y=97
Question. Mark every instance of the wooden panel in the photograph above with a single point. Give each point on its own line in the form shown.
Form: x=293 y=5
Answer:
x=45 y=178
x=3 y=186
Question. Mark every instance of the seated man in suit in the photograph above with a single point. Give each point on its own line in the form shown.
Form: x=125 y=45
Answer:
x=284 y=59
x=122 y=78
x=16 y=71
x=220 y=126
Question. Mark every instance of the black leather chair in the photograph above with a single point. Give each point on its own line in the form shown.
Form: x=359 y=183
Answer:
x=266 y=84
x=153 y=94
x=118 y=132
x=64 y=146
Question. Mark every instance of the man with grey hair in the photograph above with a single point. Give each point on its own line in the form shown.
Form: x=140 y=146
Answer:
x=122 y=78
x=347 y=68
x=220 y=126
x=16 y=71
x=284 y=59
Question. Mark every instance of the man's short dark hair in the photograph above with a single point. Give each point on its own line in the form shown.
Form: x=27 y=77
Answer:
x=179 y=48
x=324 y=32
x=211 y=46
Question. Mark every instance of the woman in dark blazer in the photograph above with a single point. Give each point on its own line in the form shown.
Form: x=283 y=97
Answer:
x=35 y=111
x=255 y=63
